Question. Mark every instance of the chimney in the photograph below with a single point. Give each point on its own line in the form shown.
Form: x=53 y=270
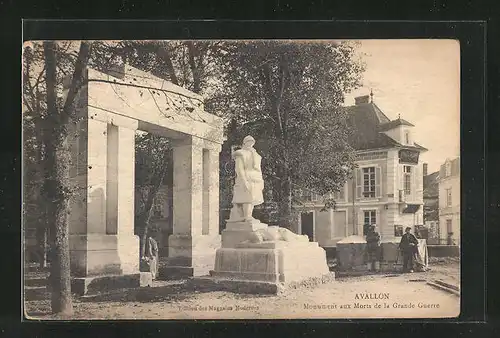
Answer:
x=425 y=169
x=362 y=99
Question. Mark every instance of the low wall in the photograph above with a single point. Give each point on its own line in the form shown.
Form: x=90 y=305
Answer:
x=331 y=252
x=443 y=250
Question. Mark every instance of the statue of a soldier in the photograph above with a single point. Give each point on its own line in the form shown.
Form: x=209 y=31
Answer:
x=249 y=184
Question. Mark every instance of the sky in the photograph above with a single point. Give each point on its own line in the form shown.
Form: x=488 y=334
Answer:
x=419 y=79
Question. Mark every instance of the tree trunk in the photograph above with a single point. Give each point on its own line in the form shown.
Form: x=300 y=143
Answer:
x=61 y=299
x=285 y=202
x=57 y=186
x=163 y=52
x=194 y=69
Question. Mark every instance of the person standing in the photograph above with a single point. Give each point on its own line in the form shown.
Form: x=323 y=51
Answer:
x=150 y=258
x=373 y=248
x=152 y=250
x=408 y=247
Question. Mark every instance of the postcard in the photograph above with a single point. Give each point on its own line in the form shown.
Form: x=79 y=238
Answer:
x=241 y=179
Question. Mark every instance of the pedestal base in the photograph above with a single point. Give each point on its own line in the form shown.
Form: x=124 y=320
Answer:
x=211 y=283
x=269 y=265
x=92 y=285
x=189 y=256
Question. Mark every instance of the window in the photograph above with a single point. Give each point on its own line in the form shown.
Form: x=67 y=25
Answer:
x=407 y=137
x=448 y=197
x=407 y=179
x=448 y=169
x=398 y=230
x=370 y=217
x=309 y=196
x=339 y=195
x=369 y=182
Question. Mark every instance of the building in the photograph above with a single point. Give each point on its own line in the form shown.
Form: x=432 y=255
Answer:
x=387 y=189
x=431 y=206
x=449 y=201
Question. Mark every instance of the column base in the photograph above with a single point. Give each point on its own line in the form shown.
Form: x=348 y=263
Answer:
x=104 y=255
x=91 y=285
x=189 y=256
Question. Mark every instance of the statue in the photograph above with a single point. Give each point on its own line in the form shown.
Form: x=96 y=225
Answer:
x=275 y=233
x=249 y=184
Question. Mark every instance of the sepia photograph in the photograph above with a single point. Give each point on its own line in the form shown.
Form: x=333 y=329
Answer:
x=241 y=179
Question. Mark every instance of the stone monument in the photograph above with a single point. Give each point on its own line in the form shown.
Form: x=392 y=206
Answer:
x=255 y=257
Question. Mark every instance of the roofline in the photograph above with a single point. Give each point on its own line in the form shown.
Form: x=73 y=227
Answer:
x=420 y=148
x=372 y=149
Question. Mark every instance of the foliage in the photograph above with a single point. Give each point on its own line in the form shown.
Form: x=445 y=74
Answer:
x=289 y=96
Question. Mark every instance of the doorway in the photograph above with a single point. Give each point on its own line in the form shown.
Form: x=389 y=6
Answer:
x=307 y=224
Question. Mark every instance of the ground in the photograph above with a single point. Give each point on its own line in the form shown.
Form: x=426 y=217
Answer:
x=408 y=296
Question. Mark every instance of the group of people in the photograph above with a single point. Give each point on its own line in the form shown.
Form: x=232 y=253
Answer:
x=408 y=247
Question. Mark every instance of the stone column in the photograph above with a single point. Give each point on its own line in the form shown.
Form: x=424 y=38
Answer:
x=88 y=215
x=128 y=243
x=211 y=189
x=102 y=242
x=191 y=250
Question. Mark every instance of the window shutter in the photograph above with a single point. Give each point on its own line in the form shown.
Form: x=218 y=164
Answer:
x=359 y=185
x=377 y=220
x=418 y=179
x=378 y=179
x=413 y=182
x=401 y=177
x=361 y=222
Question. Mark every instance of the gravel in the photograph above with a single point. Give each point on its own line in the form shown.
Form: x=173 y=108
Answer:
x=321 y=298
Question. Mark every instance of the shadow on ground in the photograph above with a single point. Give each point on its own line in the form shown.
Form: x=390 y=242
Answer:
x=35 y=282
x=36 y=294
x=167 y=293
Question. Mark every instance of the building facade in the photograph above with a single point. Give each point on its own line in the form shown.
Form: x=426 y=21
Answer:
x=449 y=201
x=387 y=185
x=431 y=206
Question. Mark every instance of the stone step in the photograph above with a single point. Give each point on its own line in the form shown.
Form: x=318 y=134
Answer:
x=443 y=288
x=451 y=286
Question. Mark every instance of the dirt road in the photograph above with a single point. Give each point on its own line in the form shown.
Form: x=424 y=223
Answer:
x=375 y=296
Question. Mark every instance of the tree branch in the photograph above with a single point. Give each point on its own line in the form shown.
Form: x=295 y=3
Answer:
x=164 y=54
x=77 y=80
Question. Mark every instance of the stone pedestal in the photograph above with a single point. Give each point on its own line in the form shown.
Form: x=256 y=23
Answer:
x=254 y=259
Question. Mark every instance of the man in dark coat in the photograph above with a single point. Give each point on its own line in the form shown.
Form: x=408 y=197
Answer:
x=408 y=247
x=373 y=248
